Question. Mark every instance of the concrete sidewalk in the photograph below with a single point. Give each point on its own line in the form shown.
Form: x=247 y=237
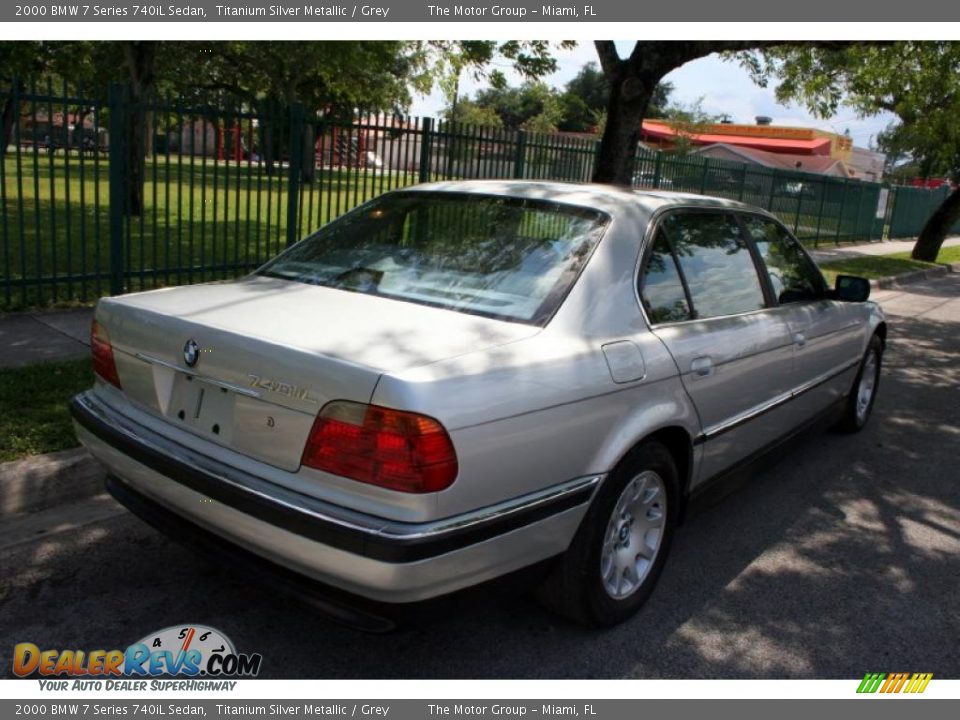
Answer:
x=879 y=247
x=35 y=337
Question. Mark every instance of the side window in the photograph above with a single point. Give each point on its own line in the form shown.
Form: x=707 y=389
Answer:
x=660 y=287
x=716 y=263
x=794 y=277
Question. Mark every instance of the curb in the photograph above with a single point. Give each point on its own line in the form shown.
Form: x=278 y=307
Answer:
x=41 y=482
x=915 y=276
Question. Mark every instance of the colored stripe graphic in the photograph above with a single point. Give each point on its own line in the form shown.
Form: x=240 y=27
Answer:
x=918 y=683
x=871 y=682
x=894 y=683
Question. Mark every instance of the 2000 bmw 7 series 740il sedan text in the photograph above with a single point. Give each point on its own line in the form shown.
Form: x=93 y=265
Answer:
x=457 y=380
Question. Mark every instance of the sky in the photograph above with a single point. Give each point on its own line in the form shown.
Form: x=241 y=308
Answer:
x=725 y=88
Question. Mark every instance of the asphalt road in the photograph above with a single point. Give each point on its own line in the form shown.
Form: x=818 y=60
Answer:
x=842 y=558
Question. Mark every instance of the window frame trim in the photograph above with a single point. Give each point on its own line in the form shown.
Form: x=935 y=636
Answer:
x=676 y=266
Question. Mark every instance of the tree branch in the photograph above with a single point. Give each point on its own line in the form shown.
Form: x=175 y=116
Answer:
x=609 y=57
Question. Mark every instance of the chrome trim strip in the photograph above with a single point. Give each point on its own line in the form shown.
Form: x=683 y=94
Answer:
x=746 y=416
x=727 y=425
x=492 y=512
x=239 y=389
x=825 y=377
x=318 y=509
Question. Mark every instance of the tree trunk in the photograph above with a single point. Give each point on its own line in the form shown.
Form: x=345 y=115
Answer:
x=633 y=82
x=628 y=101
x=937 y=228
x=10 y=117
x=141 y=60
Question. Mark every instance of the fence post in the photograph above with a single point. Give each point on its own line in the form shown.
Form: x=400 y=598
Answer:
x=118 y=100
x=520 y=155
x=796 y=217
x=891 y=212
x=773 y=190
x=426 y=143
x=703 y=176
x=858 y=212
x=843 y=203
x=293 y=170
x=657 y=169
x=823 y=199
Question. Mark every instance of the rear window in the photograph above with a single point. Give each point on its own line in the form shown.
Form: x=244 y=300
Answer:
x=506 y=258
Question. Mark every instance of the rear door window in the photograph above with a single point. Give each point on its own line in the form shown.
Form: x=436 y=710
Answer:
x=715 y=262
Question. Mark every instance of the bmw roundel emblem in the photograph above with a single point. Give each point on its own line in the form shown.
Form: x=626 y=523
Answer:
x=191 y=352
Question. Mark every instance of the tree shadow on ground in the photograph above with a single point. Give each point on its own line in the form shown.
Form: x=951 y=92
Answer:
x=839 y=559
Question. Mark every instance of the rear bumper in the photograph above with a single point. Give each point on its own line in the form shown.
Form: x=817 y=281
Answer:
x=370 y=556
x=351 y=610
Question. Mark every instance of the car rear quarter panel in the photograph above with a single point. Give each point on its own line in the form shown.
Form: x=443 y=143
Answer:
x=546 y=409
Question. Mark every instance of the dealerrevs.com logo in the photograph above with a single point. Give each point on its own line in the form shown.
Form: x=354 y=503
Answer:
x=190 y=651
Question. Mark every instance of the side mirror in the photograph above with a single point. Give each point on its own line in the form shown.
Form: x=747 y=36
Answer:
x=851 y=288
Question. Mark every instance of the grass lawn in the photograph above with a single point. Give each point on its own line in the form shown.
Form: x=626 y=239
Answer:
x=947 y=254
x=880 y=266
x=202 y=220
x=33 y=407
x=872 y=266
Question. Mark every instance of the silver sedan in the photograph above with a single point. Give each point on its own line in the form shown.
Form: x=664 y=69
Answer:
x=457 y=380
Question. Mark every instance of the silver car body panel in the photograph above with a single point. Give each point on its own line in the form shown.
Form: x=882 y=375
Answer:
x=353 y=570
x=528 y=409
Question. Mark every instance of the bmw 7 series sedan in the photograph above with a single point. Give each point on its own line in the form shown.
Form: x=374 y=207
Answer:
x=457 y=380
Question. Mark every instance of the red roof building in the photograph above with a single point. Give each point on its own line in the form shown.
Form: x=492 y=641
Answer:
x=819 y=164
x=775 y=146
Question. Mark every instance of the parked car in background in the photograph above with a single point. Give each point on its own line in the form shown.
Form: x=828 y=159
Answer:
x=457 y=380
x=649 y=180
x=796 y=189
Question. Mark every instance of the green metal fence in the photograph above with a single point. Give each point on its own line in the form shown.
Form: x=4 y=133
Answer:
x=225 y=187
x=911 y=206
x=818 y=209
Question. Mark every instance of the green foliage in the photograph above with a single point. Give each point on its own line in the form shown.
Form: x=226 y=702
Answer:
x=327 y=75
x=468 y=112
x=688 y=120
x=585 y=99
x=376 y=75
x=450 y=59
x=533 y=106
x=919 y=82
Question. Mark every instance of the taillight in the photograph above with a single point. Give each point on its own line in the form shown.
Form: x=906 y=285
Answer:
x=380 y=446
x=103 y=363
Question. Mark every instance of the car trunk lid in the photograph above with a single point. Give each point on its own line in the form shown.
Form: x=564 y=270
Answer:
x=271 y=353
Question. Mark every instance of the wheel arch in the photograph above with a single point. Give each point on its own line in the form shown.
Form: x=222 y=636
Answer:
x=678 y=442
x=881 y=332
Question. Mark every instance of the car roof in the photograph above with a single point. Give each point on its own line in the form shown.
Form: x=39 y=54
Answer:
x=609 y=198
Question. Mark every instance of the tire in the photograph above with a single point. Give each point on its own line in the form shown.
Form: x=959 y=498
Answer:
x=863 y=394
x=636 y=507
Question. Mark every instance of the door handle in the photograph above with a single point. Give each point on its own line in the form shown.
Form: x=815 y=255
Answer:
x=799 y=339
x=702 y=366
